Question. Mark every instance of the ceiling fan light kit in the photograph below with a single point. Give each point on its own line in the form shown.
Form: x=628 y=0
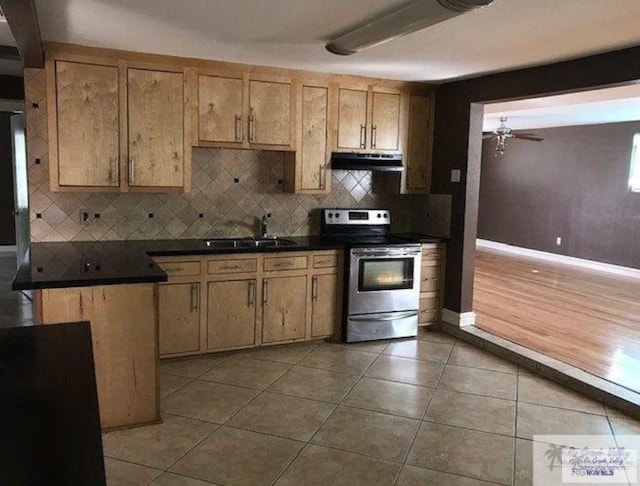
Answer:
x=414 y=16
x=503 y=133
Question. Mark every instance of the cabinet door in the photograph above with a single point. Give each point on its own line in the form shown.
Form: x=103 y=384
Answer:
x=324 y=301
x=352 y=119
x=220 y=109
x=313 y=154
x=231 y=314
x=418 y=153
x=179 y=316
x=385 y=126
x=284 y=308
x=269 y=113
x=87 y=124
x=156 y=129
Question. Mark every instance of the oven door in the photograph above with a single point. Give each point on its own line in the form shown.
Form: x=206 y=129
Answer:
x=383 y=280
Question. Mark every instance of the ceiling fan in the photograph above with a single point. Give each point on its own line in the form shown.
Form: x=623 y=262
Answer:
x=503 y=133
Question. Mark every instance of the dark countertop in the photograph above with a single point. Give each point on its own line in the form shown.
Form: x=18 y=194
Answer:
x=49 y=407
x=87 y=263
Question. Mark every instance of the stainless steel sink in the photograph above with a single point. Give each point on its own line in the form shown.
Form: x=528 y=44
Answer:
x=227 y=243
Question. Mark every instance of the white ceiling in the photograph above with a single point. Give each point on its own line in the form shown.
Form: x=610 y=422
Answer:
x=608 y=105
x=291 y=33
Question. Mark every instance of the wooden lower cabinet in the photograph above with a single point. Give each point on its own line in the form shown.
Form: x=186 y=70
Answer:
x=231 y=314
x=325 y=305
x=431 y=283
x=179 y=318
x=284 y=308
x=124 y=334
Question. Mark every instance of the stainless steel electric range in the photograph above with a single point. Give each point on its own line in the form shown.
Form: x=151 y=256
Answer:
x=382 y=286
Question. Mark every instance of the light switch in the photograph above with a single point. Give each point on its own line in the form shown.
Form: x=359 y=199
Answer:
x=456 y=175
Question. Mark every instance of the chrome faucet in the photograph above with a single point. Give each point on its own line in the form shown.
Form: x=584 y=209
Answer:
x=264 y=232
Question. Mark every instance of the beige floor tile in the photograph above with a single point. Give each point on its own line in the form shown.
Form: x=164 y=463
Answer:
x=171 y=479
x=422 y=350
x=389 y=397
x=159 y=445
x=467 y=355
x=480 y=382
x=120 y=473
x=541 y=420
x=287 y=353
x=369 y=433
x=431 y=334
x=538 y=390
x=284 y=416
x=316 y=384
x=171 y=383
x=208 y=401
x=626 y=431
x=321 y=466
x=406 y=370
x=366 y=346
x=471 y=453
x=235 y=456
x=251 y=373
x=342 y=360
x=488 y=414
x=417 y=476
x=523 y=475
x=190 y=367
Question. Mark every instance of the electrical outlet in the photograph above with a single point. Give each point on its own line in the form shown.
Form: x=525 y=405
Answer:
x=558 y=241
x=456 y=175
x=86 y=216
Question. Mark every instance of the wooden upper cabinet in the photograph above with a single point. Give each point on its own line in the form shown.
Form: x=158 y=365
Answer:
x=352 y=119
x=385 y=121
x=313 y=147
x=86 y=104
x=156 y=129
x=269 y=113
x=220 y=109
x=418 y=154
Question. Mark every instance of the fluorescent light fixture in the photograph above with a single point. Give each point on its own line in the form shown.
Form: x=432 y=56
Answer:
x=413 y=16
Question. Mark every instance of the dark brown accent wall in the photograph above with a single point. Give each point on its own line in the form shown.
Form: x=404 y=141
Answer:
x=572 y=185
x=7 y=221
x=454 y=148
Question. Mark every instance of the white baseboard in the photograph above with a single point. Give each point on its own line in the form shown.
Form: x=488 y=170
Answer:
x=8 y=249
x=458 y=319
x=552 y=257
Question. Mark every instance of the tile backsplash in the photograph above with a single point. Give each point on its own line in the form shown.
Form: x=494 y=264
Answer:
x=231 y=190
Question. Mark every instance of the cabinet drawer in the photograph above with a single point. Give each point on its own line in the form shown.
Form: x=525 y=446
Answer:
x=233 y=266
x=325 y=261
x=429 y=278
x=272 y=264
x=429 y=309
x=180 y=269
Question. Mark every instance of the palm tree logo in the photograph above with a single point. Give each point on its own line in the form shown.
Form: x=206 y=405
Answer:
x=554 y=454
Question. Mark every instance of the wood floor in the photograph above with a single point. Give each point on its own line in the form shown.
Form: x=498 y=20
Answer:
x=582 y=317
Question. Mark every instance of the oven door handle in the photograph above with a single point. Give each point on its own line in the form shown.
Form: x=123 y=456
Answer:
x=385 y=253
x=384 y=317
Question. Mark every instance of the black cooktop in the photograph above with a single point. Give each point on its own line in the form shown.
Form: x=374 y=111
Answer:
x=373 y=240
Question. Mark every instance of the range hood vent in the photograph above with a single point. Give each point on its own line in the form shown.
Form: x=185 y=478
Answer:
x=360 y=161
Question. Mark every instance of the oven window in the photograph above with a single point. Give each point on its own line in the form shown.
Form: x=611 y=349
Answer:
x=385 y=274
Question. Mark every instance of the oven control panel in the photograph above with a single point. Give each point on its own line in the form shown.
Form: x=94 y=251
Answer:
x=356 y=216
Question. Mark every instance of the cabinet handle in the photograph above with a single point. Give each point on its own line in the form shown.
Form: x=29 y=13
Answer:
x=252 y=292
x=374 y=136
x=194 y=297
x=238 y=128
x=425 y=311
x=314 y=287
x=252 y=122
x=283 y=264
x=132 y=171
x=230 y=267
x=114 y=171
x=363 y=136
x=265 y=291
x=323 y=176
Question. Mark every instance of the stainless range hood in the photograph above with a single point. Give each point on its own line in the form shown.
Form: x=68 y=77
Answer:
x=360 y=161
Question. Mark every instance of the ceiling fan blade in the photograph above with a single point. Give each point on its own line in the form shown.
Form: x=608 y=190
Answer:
x=526 y=136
